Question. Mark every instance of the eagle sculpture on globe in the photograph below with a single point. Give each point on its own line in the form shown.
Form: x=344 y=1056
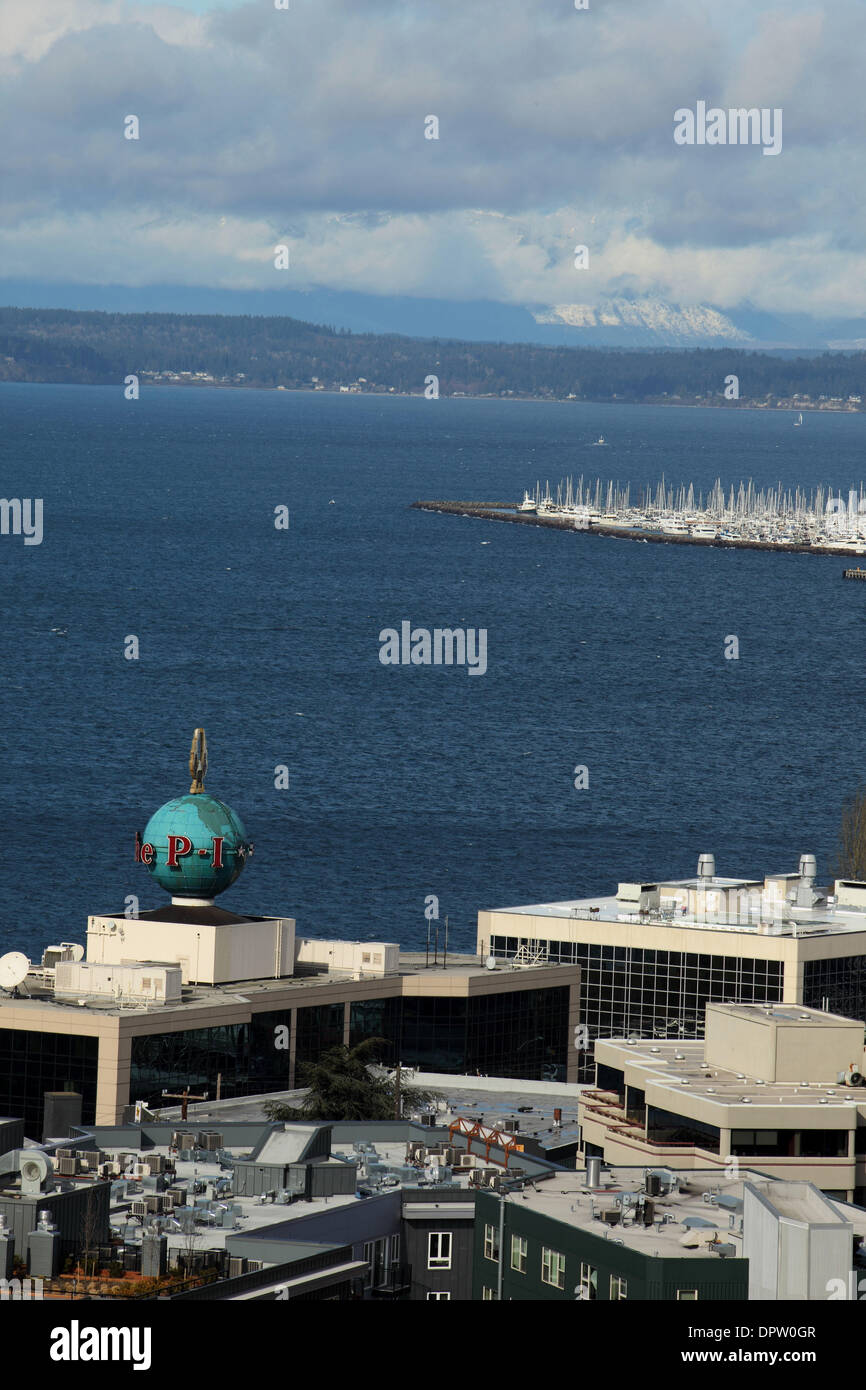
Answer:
x=194 y=846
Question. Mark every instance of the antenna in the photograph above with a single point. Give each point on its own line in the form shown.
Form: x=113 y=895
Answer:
x=13 y=969
x=198 y=762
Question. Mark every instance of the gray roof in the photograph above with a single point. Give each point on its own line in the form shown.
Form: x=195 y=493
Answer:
x=289 y=1145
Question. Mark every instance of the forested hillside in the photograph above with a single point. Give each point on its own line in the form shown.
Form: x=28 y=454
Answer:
x=63 y=345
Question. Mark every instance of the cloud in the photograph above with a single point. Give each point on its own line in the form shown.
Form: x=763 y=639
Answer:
x=556 y=127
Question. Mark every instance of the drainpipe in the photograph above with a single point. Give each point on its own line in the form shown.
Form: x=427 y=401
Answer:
x=501 y=1245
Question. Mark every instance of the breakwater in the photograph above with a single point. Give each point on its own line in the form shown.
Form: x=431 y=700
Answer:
x=509 y=511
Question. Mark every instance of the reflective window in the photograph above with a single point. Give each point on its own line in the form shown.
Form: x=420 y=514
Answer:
x=33 y=1063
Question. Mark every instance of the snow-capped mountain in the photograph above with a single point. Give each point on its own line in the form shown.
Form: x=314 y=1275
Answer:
x=634 y=322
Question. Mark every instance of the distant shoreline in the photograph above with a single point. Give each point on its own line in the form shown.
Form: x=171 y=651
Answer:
x=805 y=408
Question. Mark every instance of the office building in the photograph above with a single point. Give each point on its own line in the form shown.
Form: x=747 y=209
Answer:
x=655 y=954
x=777 y=1087
x=189 y=996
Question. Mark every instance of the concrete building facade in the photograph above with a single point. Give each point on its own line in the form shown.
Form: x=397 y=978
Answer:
x=776 y=1087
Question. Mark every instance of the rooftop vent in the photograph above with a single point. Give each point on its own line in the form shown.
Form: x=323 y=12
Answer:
x=707 y=866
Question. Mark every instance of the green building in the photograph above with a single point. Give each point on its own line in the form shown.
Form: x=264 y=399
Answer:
x=563 y=1241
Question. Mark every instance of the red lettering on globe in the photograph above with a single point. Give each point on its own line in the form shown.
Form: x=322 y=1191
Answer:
x=178 y=847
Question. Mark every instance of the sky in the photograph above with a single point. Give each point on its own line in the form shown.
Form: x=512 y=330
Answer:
x=305 y=127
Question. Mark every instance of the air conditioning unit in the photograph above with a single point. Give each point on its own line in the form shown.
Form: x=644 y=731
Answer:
x=236 y=1266
x=253 y=1265
x=139 y=1208
x=156 y=1163
x=67 y=1167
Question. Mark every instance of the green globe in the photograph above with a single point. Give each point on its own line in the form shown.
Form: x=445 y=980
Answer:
x=195 y=846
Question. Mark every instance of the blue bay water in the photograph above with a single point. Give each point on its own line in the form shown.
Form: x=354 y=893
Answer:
x=406 y=781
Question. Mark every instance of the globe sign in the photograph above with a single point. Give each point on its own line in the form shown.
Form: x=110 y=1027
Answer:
x=194 y=846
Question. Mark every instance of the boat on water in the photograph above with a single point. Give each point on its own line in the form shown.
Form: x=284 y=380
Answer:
x=601 y=440
x=799 y=420
x=777 y=517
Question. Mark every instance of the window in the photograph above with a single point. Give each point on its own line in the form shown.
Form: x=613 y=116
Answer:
x=374 y=1254
x=437 y=1297
x=518 y=1253
x=491 y=1243
x=552 y=1268
x=439 y=1250
x=488 y=1294
x=618 y=1288
x=687 y=1295
x=588 y=1281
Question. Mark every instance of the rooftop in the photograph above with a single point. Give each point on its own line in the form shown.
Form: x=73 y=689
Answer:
x=821 y=920
x=681 y=1067
x=464 y=968
x=692 y=1212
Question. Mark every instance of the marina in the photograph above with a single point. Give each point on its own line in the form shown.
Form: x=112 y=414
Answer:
x=821 y=521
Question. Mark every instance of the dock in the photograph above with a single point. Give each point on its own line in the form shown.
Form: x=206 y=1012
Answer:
x=854 y=574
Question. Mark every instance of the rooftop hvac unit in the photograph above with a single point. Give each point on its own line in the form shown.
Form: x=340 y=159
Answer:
x=236 y=1266
x=210 y=1140
x=94 y=1157
x=141 y=1170
x=182 y=1139
x=114 y=1168
x=154 y=1203
x=67 y=1167
x=653 y=1184
x=139 y=1208
x=64 y=1153
x=156 y=1163
x=253 y=1265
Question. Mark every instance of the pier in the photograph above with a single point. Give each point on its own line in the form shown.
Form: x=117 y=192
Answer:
x=854 y=574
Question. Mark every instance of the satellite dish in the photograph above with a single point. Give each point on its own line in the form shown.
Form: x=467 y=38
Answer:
x=77 y=951
x=13 y=969
x=490 y=963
